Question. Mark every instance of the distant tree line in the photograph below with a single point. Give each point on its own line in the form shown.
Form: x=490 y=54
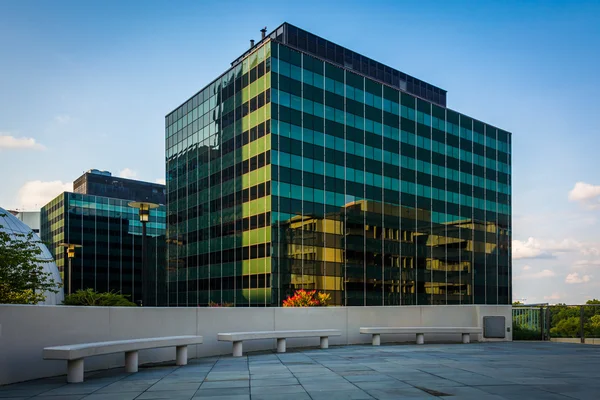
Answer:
x=565 y=321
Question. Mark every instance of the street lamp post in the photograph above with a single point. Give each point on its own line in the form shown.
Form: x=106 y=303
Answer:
x=70 y=255
x=144 y=208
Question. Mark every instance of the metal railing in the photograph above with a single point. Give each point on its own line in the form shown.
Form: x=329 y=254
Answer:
x=561 y=323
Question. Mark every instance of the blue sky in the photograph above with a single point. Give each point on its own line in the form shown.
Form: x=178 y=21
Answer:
x=87 y=85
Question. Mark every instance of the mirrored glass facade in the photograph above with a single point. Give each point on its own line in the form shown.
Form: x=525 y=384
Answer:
x=110 y=233
x=290 y=171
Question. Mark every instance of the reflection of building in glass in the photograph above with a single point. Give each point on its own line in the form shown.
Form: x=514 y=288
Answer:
x=306 y=165
x=110 y=233
x=356 y=257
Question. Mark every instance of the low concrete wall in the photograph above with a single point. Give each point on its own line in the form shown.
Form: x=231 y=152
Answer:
x=26 y=330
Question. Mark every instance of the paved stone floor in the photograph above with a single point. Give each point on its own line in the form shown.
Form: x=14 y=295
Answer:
x=518 y=370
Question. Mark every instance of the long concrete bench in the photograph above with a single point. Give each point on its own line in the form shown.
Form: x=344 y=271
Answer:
x=238 y=338
x=76 y=353
x=420 y=332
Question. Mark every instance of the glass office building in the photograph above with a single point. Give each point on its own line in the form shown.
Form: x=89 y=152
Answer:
x=306 y=165
x=109 y=232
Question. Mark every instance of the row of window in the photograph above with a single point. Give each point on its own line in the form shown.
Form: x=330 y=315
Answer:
x=436 y=217
x=230 y=228
x=226 y=256
x=286 y=190
x=258 y=281
x=203 y=123
x=332 y=114
x=356 y=192
x=373 y=153
x=224 y=203
x=376 y=101
x=226 y=174
x=206 y=155
x=376 y=179
x=123 y=211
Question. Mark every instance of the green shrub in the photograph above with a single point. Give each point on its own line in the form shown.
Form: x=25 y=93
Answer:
x=89 y=297
x=522 y=333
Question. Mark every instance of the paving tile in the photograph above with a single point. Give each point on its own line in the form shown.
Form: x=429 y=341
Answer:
x=411 y=393
x=16 y=398
x=74 y=388
x=111 y=396
x=208 y=392
x=225 y=384
x=271 y=376
x=24 y=393
x=369 y=378
x=274 y=382
x=290 y=389
x=387 y=384
x=339 y=395
x=160 y=386
x=126 y=386
x=33 y=386
x=277 y=396
x=316 y=387
x=168 y=394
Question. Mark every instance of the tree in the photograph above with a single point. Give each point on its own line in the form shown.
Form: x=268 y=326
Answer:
x=89 y=297
x=568 y=327
x=22 y=276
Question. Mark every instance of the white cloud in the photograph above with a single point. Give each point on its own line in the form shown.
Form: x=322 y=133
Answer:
x=530 y=249
x=62 y=119
x=553 y=296
x=545 y=273
x=11 y=142
x=526 y=268
x=536 y=248
x=587 y=194
x=128 y=173
x=36 y=194
x=575 y=278
x=583 y=264
x=160 y=180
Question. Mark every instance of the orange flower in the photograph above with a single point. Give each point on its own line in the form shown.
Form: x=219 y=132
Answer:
x=303 y=298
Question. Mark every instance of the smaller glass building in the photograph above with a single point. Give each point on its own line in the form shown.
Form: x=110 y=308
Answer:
x=110 y=234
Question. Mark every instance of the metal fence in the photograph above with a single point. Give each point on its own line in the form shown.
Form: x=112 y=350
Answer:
x=561 y=323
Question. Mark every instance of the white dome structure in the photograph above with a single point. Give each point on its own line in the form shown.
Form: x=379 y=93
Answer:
x=11 y=225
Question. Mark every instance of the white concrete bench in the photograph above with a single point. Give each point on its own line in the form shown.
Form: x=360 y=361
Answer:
x=420 y=332
x=75 y=353
x=238 y=337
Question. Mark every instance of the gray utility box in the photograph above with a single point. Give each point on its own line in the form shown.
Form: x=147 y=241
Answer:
x=494 y=327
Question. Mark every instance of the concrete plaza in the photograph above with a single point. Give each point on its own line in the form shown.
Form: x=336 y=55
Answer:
x=504 y=370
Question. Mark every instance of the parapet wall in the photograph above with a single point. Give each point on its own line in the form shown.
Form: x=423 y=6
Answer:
x=25 y=330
